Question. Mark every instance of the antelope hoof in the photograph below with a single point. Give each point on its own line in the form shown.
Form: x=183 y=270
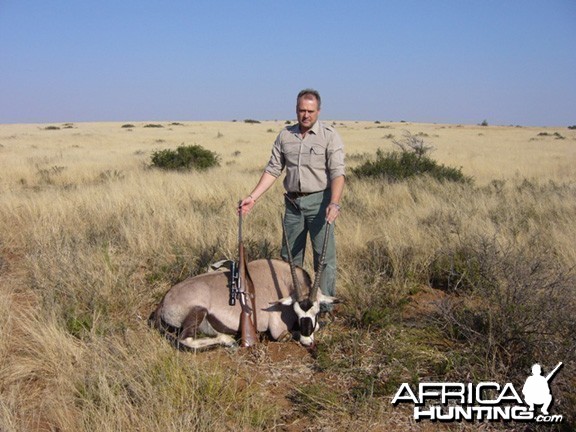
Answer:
x=286 y=336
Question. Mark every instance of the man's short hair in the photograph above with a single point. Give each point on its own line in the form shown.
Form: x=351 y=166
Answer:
x=309 y=94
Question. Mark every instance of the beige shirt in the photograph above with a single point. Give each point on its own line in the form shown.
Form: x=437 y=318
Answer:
x=311 y=162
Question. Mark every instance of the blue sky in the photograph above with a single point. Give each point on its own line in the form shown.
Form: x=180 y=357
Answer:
x=446 y=61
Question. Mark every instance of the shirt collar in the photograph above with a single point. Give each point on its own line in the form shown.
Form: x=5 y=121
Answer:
x=315 y=129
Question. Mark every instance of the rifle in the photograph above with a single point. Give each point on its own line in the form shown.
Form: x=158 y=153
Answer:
x=245 y=287
x=551 y=374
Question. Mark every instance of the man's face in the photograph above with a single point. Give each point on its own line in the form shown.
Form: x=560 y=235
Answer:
x=307 y=112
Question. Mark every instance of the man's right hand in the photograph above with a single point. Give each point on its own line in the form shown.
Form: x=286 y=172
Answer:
x=246 y=205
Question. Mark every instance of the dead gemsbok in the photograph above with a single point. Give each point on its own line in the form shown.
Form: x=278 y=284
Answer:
x=287 y=302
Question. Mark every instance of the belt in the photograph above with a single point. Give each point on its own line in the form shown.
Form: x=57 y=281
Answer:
x=294 y=195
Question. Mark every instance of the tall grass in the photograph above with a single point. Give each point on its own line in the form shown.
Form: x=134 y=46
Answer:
x=91 y=238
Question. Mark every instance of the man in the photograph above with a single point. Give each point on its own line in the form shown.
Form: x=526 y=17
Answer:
x=536 y=390
x=313 y=155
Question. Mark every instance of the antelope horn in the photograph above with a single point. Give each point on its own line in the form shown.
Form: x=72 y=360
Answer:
x=321 y=266
x=296 y=282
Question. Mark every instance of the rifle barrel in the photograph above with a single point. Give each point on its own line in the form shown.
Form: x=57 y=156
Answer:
x=239 y=222
x=551 y=374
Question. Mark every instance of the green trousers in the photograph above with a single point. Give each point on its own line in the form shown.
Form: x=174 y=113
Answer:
x=307 y=216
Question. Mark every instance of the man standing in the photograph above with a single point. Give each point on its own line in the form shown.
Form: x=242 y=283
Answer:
x=313 y=155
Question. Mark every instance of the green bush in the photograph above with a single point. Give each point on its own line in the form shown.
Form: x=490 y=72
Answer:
x=185 y=157
x=411 y=161
x=396 y=166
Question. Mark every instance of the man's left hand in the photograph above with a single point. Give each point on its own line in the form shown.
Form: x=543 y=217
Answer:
x=332 y=212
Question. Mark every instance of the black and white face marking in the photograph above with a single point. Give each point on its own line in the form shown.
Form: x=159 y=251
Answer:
x=307 y=326
x=307 y=312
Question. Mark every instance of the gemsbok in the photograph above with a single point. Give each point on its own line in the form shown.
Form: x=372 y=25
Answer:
x=196 y=312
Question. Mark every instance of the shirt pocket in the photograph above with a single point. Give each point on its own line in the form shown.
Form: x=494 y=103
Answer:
x=317 y=156
x=291 y=153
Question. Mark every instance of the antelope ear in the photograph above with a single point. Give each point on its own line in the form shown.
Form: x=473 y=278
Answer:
x=286 y=301
x=327 y=299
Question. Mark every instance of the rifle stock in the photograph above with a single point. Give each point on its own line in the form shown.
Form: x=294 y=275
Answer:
x=248 y=335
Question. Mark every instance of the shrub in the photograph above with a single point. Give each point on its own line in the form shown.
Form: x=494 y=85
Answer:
x=514 y=303
x=412 y=160
x=457 y=269
x=185 y=157
x=47 y=175
x=555 y=134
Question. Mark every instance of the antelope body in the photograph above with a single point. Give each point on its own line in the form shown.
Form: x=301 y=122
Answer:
x=199 y=306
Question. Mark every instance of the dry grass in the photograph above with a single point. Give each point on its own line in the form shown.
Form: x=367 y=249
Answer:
x=91 y=238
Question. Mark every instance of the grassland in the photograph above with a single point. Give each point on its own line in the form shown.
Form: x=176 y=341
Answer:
x=441 y=281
